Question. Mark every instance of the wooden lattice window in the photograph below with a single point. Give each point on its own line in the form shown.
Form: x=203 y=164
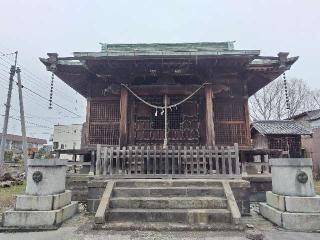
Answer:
x=291 y=143
x=183 y=122
x=104 y=122
x=230 y=121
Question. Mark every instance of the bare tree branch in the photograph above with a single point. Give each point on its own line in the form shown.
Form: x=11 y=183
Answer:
x=270 y=102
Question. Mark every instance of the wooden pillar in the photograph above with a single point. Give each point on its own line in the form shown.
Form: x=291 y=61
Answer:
x=86 y=140
x=210 y=138
x=246 y=111
x=123 y=116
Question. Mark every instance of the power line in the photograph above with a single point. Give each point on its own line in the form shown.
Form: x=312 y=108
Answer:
x=33 y=76
x=58 y=105
x=52 y=102
x=32 y=123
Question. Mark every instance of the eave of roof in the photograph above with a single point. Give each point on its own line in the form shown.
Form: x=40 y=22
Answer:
x=83 y=64
x=311 y=115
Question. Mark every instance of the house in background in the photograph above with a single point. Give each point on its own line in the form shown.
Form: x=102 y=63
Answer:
x=67 y=137
x=14 y=144
x=311 y=119
x=283 y=135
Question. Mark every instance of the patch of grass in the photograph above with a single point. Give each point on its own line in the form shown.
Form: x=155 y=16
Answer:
x=317 y=186
x=7 y=196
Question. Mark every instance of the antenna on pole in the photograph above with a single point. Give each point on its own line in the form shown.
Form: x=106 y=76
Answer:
x=6 y=117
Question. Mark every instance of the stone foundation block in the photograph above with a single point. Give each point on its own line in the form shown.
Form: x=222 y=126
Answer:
x=275 y=200
x=271 y=213
x=66 y=212
x=303 y=204
x=301 y=221
x=61 y=200
x=33 y=203
x=25 y=219
x=38 y=219
x=42 y=203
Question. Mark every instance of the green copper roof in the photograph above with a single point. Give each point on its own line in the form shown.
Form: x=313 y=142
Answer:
x=167 y=49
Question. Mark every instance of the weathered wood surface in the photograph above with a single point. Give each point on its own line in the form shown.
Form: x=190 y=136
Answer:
x=123 y=116
x=144 y=161
x=210 y=139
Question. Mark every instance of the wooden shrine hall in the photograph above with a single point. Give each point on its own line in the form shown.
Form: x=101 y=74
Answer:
x=160 y=109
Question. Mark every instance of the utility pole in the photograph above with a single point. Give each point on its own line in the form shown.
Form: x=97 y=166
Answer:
x=22 y=119
x=6 y=117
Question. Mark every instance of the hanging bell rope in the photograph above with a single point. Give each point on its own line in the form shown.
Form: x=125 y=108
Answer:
x=163 y=107
x=51 y=91
x=286 y=93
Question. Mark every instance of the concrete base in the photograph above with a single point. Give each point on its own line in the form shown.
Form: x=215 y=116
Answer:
x=276 y=201
x=294 y=204
x=303 y=204
x=43 y=203
x=308 y=222
x=38 y=219
x=270 y=213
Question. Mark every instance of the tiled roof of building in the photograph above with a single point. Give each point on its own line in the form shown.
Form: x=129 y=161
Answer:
x=308 y=115
x=280 y=127
x=18 y=138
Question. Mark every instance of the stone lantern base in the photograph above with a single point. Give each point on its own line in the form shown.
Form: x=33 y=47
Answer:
x=292 y=204
x=46 y=203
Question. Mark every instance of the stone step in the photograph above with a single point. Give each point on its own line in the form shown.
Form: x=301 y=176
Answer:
x=189 y=216
x=168 y=183
x=168 y=192
x=167 y=226
x=169 y=202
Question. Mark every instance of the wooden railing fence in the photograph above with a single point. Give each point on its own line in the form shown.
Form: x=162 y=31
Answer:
x=175 y=161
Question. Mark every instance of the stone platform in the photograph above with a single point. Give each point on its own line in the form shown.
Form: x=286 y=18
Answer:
x=294 y=213
x=36 y=220
x=46 y=203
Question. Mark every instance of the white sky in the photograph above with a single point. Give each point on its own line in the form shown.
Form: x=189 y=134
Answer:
x=35 y=27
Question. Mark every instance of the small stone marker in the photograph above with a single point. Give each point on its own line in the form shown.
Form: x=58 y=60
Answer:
x=46 y=203
x=292 y=204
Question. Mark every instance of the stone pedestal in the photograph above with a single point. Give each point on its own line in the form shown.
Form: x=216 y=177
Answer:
x=46 y=203
x=292 y=204
x=286 y=173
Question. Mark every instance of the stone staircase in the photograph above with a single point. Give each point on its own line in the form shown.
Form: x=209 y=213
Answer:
x=153 y=202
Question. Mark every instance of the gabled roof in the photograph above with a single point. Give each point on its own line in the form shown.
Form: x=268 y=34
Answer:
x=308 y=115
x=286 y=127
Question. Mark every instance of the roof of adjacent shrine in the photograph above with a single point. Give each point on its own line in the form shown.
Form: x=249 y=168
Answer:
x=121 y=63
x=282 y=127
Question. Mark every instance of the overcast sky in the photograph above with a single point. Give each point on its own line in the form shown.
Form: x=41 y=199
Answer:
x=35 y=27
